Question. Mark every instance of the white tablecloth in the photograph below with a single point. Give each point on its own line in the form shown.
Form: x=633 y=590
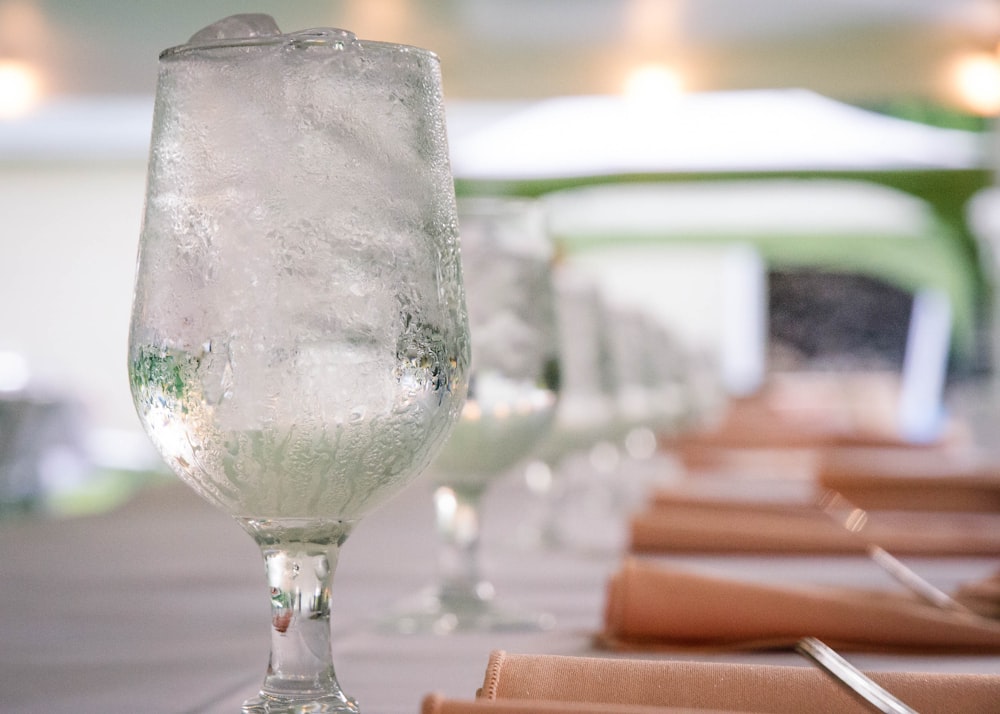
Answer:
x=161 y=606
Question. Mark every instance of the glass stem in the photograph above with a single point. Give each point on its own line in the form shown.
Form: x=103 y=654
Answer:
x=300 y=568
x=457 y=511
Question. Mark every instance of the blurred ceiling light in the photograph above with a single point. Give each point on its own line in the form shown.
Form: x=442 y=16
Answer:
x=650 y=24
x=20 y=88
x=977 y=82
x=23 y=25
x=653 y=82
x=384 y=19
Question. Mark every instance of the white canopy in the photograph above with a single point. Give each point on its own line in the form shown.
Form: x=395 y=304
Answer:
x=760 y=130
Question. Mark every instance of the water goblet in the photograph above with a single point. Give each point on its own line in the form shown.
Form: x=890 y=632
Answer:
x=559 y=468
x=512 y=398
x=298 y=345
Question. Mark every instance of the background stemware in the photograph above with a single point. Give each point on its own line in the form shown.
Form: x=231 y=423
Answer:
x=513 y=392
x=561 y=470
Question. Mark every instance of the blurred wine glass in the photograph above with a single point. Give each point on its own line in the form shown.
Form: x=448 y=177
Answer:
x=586 y=415
x=513 y=392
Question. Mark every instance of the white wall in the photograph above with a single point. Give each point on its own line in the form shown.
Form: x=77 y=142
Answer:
x=68 y=237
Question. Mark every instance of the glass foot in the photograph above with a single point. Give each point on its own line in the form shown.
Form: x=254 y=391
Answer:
x=267 y=704
x=434 y=613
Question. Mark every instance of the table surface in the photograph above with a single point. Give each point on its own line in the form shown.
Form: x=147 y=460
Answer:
x=160 y=606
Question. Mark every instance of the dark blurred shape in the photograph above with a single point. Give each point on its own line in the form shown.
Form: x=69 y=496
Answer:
x=41 y=448
x=836 y=321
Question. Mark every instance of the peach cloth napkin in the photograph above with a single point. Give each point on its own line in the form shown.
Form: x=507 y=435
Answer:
x=681 y=523
x=529 y=683
x=651 y=605
x=811 y=410
x=982 y=596
x=437 y=704
x=916 y=479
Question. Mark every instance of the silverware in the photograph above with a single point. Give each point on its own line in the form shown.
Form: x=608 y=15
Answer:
x=854 y=520
x=851 y=677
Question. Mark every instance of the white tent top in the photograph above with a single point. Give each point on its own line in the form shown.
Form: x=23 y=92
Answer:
x=759 y=130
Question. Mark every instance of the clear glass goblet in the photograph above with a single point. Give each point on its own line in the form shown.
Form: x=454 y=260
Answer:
x=299 y=342
x=512 y=398
x=558 y=470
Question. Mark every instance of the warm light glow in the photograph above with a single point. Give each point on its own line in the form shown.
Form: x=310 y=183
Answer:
x=389 y=20
x=502 y=411
x=650 y=25
x=977 y=81
x=655 y=82
x=471 y=411
x=20 y=88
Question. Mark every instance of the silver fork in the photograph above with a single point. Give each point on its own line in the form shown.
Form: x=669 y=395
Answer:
x=851 y=677
x=854 y=519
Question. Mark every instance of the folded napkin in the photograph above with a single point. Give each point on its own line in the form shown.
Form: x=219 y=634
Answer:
x=650 y=605
x=675 y=522
x=917 y=479
x=546 y=683
x=812 y=410
x=437 y=704
x=982 y=596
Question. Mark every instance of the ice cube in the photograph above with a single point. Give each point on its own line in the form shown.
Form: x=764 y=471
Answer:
x=251 y=24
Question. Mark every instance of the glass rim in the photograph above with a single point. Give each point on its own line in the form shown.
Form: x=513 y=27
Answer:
x=315 y=37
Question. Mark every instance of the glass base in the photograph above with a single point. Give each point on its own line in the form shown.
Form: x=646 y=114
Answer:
x=267 y=704
x=437 y=614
